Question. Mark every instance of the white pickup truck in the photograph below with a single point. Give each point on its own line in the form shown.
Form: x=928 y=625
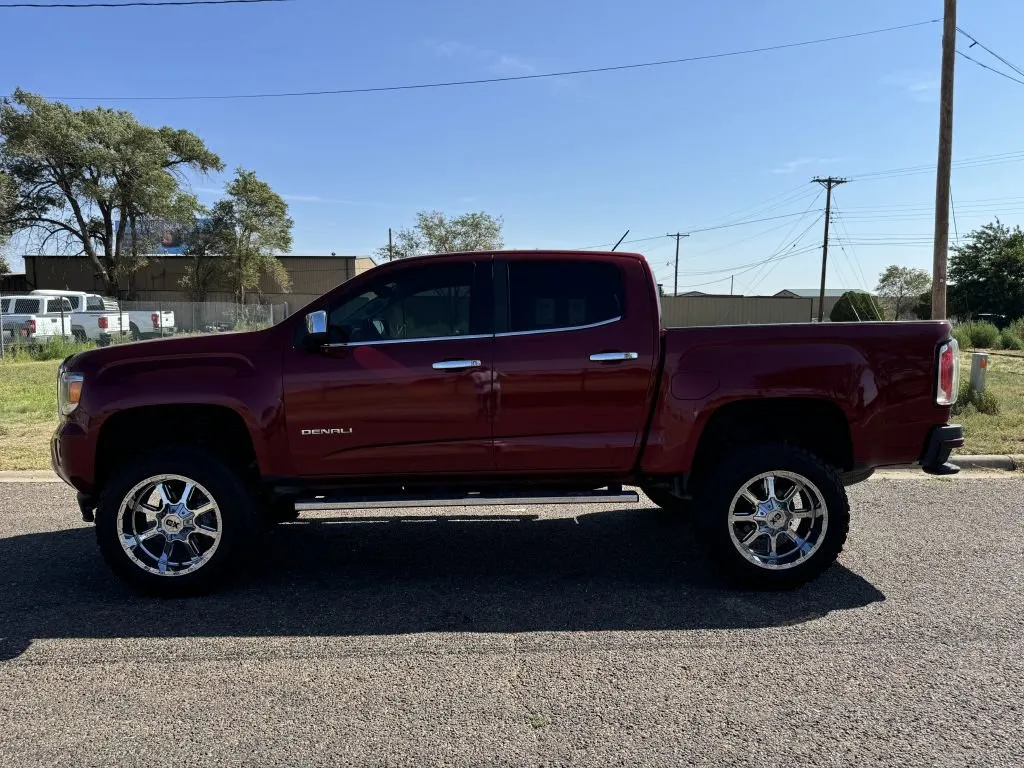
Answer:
x=140 y=323
x=91 y=320
x=36 y=318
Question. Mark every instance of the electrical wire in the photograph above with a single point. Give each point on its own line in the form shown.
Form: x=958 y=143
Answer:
x=153 y=4
x=506 y=79
x=839 y=218
x=967 y=162
x=990 y=69
x=789 y=234
x=976 y=42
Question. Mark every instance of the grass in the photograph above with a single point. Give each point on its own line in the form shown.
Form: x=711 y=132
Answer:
x=28 y=410
x=1001 y=432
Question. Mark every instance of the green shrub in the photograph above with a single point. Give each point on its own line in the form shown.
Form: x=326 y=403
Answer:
x=962 y=336
x=968 y=401
x=1017 y=328
x=53 y=349
x=976 y=335
x=856 y=306
x=1009 y=340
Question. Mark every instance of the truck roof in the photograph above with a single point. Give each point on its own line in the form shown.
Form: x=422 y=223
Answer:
x=561 y=254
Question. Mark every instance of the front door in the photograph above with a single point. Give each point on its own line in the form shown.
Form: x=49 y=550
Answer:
x=404 y=387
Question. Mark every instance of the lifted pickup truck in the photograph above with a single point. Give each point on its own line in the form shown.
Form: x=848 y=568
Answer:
x=491 y=378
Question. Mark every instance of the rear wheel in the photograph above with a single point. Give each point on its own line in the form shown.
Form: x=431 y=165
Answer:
x=136 y=334
x=175 y=521
x=775 y=516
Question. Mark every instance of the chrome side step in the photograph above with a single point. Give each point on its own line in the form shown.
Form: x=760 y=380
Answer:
x=323 y=503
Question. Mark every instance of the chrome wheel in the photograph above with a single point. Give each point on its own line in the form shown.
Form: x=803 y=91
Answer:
x=778 y=520
x=170 y=525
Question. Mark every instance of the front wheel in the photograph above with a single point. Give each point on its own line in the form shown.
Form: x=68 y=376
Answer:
x=174 y=522
x=775 y=516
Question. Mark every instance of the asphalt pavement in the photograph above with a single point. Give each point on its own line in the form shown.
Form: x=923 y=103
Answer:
x=531 y=636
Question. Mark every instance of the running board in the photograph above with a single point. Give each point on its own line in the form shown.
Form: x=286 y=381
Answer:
x=322 y=503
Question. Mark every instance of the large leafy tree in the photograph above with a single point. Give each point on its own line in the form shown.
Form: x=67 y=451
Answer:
x=249 y=228
x=899 y=287
x=436 y=233
x=987 y=272
x=88 y=181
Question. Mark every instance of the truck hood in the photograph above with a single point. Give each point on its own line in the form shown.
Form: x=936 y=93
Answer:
x=153 y=353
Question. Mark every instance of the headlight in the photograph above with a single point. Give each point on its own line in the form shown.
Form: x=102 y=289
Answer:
x=69 y=391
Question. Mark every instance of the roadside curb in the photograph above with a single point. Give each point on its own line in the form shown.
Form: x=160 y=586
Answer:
x=28 y=476
x=997 y=461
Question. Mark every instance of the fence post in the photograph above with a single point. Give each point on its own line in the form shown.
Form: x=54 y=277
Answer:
x=63 y=335
x=2 y=334
x=979 y=364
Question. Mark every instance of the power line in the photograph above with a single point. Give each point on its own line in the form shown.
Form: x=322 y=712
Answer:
x=990 y=69
x=967 y=162
x=510 y=78
x=153 y=4
x=785 y=239
x=840 y=219
x=976 y=42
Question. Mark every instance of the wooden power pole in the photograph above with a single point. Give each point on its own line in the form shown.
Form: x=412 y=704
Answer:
x=828 y=183
x=943 y=170
x=675 y=285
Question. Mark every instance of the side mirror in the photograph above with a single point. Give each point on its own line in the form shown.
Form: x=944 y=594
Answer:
x=316 y=328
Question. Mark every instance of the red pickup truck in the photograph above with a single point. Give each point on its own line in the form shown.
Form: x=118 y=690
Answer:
x=491 y=378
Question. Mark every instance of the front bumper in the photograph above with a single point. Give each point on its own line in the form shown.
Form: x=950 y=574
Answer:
x=941 y=442
x=71 y=454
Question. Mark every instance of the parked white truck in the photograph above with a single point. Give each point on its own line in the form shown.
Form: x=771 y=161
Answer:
x=90 y=319
x=140 y=323
x=35 y=318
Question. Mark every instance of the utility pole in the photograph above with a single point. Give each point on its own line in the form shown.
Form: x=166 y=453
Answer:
x=943 y=171
x=732 y=279
x=391 y=251
x=675 y=285
x=828 y=183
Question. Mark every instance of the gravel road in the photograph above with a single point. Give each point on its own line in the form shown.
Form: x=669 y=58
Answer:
x=533 y=636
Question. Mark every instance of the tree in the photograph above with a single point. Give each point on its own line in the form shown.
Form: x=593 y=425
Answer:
x=855 y=306
x=88 y=180
x=206 y=264
x=249 y=228
x=987 y=272
x=901 y=286
x=435 y=233
x=5 y=268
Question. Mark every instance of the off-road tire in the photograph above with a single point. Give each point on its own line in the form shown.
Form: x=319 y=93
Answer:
x=234 y=497
x=730 y=474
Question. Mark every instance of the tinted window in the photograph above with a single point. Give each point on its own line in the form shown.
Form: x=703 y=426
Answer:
x=5 y=304
x=417 y=303
x=94 y=304
x=26 y=306
x=55 y=306
x=547 y=295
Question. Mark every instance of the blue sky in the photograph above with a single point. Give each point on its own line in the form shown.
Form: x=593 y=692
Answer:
x=569 y=162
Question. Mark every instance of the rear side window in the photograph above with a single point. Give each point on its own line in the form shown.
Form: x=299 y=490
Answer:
x=26 y=306
x=548 y=295
x=94 y=304
x=56 y=306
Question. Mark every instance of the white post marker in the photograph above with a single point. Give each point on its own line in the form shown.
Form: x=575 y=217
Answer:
x=979 y=364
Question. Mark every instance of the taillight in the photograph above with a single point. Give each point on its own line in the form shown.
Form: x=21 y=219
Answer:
x=949 y=373
x=155 y=317
x=30 y=326
x=103 y=323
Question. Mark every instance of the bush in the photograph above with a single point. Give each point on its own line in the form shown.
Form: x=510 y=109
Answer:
x=975 y=335
x=856 y=306
x=53 y=349
x=1017 y=328
x=1009 y=340
x=962 y=336
x=968 y=400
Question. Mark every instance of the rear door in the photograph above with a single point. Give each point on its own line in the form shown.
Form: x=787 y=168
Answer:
x=405 y=386
x=573 y=364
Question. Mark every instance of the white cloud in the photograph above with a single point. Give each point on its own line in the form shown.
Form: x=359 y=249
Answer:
x=494 y=62
x=804 y=162
x=917 y=84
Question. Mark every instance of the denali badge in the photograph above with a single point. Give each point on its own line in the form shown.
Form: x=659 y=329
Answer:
x=328 y=431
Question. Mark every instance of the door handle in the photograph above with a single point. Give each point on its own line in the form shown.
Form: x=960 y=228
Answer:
x=455 y=365
x=613 y=357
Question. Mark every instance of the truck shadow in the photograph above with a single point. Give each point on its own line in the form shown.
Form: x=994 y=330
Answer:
x=620 y=570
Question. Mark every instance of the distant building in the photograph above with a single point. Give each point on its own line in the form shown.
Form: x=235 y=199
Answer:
x=160 y=280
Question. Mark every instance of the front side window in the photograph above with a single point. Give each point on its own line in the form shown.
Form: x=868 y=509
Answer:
x=56 y=306
x=548 y=295
x=433 y=301
x=94 y=304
